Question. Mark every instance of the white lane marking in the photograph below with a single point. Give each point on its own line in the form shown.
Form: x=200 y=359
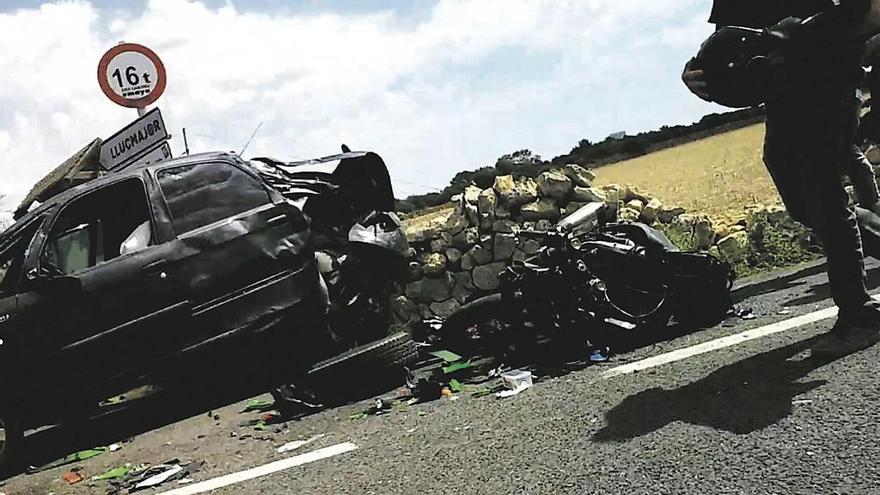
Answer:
x=714 y=345
x=272 y=467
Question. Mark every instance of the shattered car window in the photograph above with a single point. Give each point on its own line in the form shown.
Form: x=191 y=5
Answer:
x=93 y=228
x=198 y=195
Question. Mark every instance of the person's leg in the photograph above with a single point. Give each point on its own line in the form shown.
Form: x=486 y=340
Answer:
x=803 y=150
x=861 y=174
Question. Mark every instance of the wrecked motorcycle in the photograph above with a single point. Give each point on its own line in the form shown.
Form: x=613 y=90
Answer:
x=592 y=288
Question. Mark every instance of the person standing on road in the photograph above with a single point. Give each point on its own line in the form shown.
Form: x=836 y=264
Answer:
x=811 y=124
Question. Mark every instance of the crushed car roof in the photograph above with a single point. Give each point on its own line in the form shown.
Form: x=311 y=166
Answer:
x=134 y=171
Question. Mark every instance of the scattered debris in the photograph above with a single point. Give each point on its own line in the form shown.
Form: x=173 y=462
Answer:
x=115 y=473
x=484 y=391
x=457 y=366
x=495 y=372
x=447 y=356
x=510 y=393
x=424 y=385
x=785 y=311
x=380 y=406
x=114 y=400
x=70 y=459
x=745 y=313
x=114 y=447
x=297 y=444
x=258 y=405
x=446 y=392
x=185 y=481
x=455 y=385
x=515 y=381
x=514 y=378
x=157 y=475
x=801 y=402
x=599 y=355
x=72 y=477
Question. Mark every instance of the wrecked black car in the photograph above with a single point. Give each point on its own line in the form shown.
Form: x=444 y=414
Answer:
x=168 y=270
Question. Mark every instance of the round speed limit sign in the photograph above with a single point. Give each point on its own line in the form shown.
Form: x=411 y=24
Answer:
x=131 y=75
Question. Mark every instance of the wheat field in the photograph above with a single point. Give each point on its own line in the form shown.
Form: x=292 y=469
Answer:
x=719 y=175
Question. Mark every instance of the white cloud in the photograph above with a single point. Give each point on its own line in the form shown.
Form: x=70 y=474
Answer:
x=427 y=96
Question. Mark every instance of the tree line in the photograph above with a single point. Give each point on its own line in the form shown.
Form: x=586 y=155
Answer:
x=524 y=163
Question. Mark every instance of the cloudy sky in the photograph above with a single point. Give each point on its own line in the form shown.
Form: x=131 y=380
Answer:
x=434 y=86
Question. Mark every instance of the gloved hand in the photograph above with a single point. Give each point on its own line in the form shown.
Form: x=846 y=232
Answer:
x=786 y=35
x=786 y=30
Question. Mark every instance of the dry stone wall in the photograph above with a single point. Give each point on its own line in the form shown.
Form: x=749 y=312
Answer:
x=459 y=253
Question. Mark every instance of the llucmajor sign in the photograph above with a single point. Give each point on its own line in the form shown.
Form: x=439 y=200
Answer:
x=138 y=138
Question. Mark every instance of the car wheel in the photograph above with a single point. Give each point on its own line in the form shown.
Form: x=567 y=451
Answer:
x=11 y=440
x=364 y=369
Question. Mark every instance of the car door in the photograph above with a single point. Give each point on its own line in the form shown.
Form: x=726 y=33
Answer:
x=13 y=254
x=245 y=252
x=100 y=303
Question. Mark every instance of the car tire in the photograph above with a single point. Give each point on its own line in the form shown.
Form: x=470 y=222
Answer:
x=363 y=369
x=11 y=442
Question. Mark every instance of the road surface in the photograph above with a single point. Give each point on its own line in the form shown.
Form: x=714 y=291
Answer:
x=738 y=408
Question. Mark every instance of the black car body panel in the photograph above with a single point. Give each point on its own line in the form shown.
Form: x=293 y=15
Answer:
x=222 y=263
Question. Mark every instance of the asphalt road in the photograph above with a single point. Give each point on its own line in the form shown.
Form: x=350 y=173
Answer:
x=758 y=417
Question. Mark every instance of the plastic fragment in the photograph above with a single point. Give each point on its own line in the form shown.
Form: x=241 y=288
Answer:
x=510 y=393
x=72 y=477
x=112 y=474
x=162 y=477
x=457 y=366
x=258 y=405
x=448 y=356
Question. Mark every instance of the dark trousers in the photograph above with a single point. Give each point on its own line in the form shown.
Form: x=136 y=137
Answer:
x=808 y=142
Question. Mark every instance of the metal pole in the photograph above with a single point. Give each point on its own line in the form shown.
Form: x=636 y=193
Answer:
x=141 y=111
x=185 y=143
